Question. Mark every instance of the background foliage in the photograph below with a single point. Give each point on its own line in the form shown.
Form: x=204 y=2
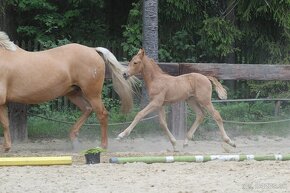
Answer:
x=246 y=31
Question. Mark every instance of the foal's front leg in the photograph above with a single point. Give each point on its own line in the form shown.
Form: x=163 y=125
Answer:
x=152 y=106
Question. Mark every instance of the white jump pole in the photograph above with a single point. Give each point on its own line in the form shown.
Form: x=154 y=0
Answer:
x=198 y=158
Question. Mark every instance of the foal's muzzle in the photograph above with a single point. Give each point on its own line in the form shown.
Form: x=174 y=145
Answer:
x=126 y=75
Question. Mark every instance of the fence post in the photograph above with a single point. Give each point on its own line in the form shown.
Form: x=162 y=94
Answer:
x=277 y=108
x=18 y=121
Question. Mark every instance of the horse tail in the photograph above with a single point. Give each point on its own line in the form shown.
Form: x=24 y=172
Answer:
x=221 y=91
x=5 y=42
x=123 y=87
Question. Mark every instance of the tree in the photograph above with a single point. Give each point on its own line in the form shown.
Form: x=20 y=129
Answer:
x=150 y=28
x=149 y=36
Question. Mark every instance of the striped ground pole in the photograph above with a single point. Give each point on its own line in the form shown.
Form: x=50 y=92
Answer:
x=198 y=158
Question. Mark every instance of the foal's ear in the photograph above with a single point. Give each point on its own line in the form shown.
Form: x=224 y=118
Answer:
x=141 y=52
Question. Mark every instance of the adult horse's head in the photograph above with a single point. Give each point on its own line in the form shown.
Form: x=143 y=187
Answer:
x=135 y=65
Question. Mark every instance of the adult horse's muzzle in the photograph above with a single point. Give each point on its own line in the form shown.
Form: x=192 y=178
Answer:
x=126 y=75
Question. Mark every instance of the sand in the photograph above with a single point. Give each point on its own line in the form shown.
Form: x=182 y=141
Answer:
x=214 y=176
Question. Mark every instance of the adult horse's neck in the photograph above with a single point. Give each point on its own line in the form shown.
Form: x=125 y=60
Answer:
x=150 y=70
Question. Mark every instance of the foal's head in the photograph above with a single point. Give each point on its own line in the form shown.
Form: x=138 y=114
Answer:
x=135 y=65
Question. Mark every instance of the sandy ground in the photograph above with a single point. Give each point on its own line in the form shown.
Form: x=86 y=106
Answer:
x=214 y=176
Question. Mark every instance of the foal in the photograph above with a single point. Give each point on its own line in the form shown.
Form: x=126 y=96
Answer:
x=194 y=88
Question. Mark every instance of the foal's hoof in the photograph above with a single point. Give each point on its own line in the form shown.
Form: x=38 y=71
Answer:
x=185 y=145
x=228 y=148
x=231 y=143
x=118 y=138
x=175 y=150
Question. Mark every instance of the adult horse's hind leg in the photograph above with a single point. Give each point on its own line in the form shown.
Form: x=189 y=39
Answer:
x=5 y=123
x=78 y=99
x=200 y=114
x=102 y=116
x=163 y=124
x=216 y=116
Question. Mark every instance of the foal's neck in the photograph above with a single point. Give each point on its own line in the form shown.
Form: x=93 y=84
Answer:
x=151 y=67
x=150 y=70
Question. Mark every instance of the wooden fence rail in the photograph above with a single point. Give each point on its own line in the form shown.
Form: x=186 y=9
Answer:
x=224 y=71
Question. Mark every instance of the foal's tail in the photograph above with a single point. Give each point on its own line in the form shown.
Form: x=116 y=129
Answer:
x=123 y=87
x=222 y=93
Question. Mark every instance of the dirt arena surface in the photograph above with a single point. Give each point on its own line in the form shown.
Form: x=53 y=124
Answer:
x=213 y=176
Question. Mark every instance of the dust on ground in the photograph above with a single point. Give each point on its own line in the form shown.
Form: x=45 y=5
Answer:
x=214 y=176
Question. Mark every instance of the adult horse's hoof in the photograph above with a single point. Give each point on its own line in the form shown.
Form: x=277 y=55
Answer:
x=6 y=149
x=76 y=145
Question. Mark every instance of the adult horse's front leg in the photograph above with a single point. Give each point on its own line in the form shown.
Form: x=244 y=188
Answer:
x=5 y=123
x=148 y=109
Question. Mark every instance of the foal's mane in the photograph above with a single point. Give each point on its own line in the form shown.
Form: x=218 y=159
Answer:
x=155 y=66
x=5 y=42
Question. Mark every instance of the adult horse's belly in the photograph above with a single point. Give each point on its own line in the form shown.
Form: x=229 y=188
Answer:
x=38 y=88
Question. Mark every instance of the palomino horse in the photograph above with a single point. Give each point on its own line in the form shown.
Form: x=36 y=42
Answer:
x=194 y=88
x=73 y=70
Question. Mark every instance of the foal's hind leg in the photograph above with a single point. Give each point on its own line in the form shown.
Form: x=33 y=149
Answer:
x=216 y=115
x=200 y=114
x=5 y=123
x=163 y=124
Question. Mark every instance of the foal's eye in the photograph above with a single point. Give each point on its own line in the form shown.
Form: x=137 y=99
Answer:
x=135 y=62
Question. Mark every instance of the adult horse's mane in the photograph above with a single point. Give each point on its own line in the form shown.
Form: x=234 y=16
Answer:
x=6 y=43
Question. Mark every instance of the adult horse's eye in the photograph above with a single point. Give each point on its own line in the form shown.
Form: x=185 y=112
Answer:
x=135 y=63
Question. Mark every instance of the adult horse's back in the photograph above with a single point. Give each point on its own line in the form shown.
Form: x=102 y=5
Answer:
x=72 y=70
